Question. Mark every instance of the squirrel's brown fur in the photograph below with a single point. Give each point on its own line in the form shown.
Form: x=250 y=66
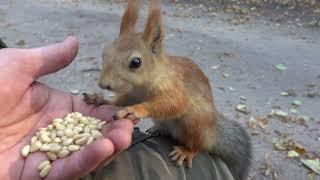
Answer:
x=172 y=90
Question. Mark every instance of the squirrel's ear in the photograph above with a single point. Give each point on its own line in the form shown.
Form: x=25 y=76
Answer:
x=154 y=31
x=130 y=17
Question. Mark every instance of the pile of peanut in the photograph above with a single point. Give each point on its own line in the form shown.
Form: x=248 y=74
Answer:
x=62 y=137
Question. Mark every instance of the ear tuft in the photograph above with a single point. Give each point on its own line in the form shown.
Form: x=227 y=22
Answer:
x=154 y=31
x=130 y=17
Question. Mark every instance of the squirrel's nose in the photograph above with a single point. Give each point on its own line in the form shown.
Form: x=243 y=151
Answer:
x=108 y=87
x=105 y=86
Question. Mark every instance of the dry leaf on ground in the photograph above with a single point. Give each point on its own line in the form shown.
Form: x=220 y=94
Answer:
x=242 y=108
x=292 y=154
x=313 y=164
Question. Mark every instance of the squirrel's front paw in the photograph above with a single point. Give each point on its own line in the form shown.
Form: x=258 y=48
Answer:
x=96 y=99
x=126 y=113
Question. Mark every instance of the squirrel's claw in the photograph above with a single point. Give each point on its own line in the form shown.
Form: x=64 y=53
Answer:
x=125 y=113
x=180 y=153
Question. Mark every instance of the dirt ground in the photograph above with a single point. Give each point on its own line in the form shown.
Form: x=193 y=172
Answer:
x=250 y=61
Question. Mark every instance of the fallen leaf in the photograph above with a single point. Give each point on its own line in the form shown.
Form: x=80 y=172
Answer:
x=268 y=170
x=313 y=164
x=292 y=154
x=225 y=75
x=267 y=160
x=242 y=108
x=215 y=66
x=284 y=93
x=293 y=111
x=279 y=145
x=296 y=103
x=281 y=67
x=296 y=147
x=279 y=113
x=253 y=123
x=286 y=143
x=231 y=89
x=262 y=122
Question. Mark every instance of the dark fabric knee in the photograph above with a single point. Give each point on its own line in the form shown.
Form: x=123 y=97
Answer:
x=147 y=159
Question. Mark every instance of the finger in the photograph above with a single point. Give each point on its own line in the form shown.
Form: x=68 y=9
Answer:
x=82 y=162
x=136 y=121
x=120 y=133
x=49 y=59
x=117 y=138
x=30 y=170
x=122 y=140
x=103 y=112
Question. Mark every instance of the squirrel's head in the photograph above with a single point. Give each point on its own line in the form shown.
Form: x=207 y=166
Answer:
x=133 y=57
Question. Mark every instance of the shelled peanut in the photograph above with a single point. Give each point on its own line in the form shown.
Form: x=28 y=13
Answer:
x=62 y=137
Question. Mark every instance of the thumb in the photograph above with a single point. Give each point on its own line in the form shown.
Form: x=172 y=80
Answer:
x=52 y=58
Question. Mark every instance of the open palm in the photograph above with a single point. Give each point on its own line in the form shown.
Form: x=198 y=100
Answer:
x=26 y=105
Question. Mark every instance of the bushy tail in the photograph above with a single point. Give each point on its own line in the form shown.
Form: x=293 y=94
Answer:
x=234 y=147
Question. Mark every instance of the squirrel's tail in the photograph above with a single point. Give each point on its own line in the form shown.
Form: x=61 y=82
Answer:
x=233 y=146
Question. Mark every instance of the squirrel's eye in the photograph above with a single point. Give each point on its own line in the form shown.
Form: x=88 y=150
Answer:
x=135 y=63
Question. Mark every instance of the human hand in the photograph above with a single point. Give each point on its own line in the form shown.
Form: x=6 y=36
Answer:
x=26 y=105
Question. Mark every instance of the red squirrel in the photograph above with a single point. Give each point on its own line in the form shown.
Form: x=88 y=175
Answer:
x=171 y=90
